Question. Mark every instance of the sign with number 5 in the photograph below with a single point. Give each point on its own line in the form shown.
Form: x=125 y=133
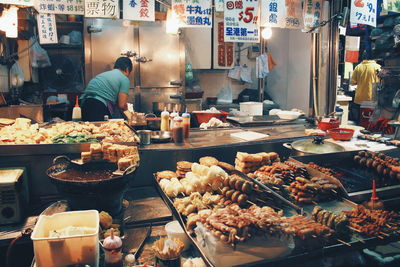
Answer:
x=241 y=21
x=363 y=12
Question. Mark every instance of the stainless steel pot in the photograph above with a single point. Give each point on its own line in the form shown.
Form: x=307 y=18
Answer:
x=313 y=146
x=159 y=107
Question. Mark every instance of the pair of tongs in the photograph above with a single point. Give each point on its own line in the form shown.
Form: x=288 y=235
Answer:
x=140 y=248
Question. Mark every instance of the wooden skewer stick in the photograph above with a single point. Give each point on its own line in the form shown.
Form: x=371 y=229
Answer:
x=261 y=200
x=387 y=225
x=354 y=229
x=345 y=243
x=315 y=203
x=248 y=201
x=334 y=191
x=314 y=236
x=380 y=237
x=385 y=234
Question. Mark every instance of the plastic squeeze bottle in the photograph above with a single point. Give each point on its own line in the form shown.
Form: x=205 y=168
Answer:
x=113 y=251
x=177 y=130
x=164 y=120
x=171 y=118
x=186 y=124
x=76 y=111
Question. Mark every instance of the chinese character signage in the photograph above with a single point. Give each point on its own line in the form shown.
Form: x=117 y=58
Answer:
x=18 y=2
x=312 y=14
x=76 y=7
x=139 y=9
x=363 y=12
x=281 y=13
x=241 y=21
x=193 y=13
x=47 y=28
x=219 y=5
x=389 y=5
x=101 y=8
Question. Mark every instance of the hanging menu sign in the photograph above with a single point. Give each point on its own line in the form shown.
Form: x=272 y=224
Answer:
x=101 y=8
x=389 y=5
x=241 y=21
x=193 y=13
x=312 y=14
x=139 y=10
x=18 y=2
x=47 y=28
x=219 y=5
x=281 y=13
x=363 y=12
x=72 y=7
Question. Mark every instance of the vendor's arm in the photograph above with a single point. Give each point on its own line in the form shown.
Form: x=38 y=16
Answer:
x=123 y=94
x=123 y=101
x=354 y=77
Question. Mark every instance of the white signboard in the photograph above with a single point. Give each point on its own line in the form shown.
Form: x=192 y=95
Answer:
x=101 y=9
x=312 y=14
x=241 y=21
x=75 y=7
x=47 y=28
x=219 y=5
x=363 y=12
x=18 y=2
x=139 y=10
x=193 y=13
x=282 y=13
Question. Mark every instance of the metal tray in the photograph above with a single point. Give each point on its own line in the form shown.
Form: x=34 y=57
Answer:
x=355 y=179
x=355 y=240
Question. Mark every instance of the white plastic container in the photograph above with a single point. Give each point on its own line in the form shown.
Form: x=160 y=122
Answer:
x=174 y=230
x=63 y=251
x=252 y=108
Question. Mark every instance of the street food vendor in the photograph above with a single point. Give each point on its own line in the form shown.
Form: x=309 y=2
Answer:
x=107 y=91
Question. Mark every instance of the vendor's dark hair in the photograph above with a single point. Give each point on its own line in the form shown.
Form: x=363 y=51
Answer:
x=123 y=63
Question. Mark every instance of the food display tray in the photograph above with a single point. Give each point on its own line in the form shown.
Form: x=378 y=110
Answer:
x=353 y=177
x=354 y=242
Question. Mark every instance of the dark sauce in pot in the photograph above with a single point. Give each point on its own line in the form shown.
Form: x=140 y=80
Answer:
x=82 y=176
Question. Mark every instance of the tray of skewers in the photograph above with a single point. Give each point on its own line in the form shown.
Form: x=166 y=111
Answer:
x=230 y=215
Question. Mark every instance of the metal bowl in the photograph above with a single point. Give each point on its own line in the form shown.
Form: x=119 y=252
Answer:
x=161 y=136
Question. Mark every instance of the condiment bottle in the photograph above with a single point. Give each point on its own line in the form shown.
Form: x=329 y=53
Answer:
x=186 y=124
x=177 y=130
x=113 y=251
x=76 y=111
x=171 y=118
x=165 y=120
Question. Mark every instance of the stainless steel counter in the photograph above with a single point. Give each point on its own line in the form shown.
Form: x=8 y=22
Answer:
x=222 y=137
x=155 y=157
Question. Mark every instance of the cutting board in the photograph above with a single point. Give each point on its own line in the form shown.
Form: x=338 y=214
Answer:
x=249 y=135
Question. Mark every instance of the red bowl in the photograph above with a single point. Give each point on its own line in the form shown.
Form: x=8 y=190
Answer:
x=341 y=134
x=206 y=116
x=324 y=126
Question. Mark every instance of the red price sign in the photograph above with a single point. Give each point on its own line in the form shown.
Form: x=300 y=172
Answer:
x=248 y=15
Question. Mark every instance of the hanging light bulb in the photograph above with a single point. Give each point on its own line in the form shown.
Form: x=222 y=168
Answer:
x=172 y=23
x=9 y=22
x=266 y=33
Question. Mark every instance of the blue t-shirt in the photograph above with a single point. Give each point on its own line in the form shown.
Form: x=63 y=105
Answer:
x=106 y=86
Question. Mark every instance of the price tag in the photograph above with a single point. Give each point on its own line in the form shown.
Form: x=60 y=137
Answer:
x=282 y=13
x=47 y=28
x=72 y=7
x=363 y=12
x=241 y=23
x=139 y=10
